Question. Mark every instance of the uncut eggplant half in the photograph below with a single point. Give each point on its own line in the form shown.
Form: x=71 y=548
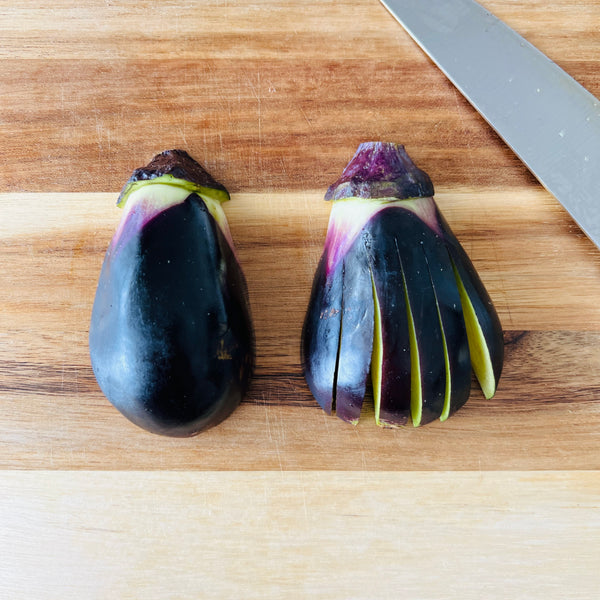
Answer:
x=171 y=337
x=396 y=296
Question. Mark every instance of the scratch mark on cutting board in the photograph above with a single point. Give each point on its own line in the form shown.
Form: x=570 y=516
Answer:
x=363 y=459
x=256 y=91
x=259 y=110
x=270 y=436
x=459 y=112
x=183 y=127
x=304 y=505
x=306 y=117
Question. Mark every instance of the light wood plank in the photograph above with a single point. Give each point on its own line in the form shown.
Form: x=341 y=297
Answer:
x=542 y=274
x=273 y=98
x=540 y=270
x=333 y=535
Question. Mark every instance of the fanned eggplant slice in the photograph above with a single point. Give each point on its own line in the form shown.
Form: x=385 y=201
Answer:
x=322 y=333
x=352 y=370
x=171 y=337
x=396 y=293
x=339 y=320
x=483 y=325
x=391 y=365
x=452 y=323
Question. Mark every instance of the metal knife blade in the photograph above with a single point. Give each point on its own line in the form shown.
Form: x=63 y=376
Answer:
x=549 y=120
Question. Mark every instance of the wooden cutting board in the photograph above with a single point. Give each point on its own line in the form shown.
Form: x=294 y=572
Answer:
x=282 y=500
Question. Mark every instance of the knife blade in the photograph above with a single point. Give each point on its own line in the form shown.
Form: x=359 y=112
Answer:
x=549 y=120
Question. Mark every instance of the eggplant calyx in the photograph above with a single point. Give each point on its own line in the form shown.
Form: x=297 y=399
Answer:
x=381 y=170
x=178 y=168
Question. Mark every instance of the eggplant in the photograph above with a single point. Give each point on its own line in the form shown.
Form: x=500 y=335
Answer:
x=396 y=297
x=171 y=338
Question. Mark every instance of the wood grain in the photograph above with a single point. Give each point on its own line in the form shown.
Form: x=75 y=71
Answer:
x=268 y=95
x=425 y=536
x=545 y=281
x=273 y=97
x=280 y=500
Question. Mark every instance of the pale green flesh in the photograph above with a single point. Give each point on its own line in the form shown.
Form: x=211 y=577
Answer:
x=377 y=355
x=204 y=192
x=423 y=207
x=448 y=392
x=416 y=393
x=155 y=197
x=480 y=354
x=163 y=192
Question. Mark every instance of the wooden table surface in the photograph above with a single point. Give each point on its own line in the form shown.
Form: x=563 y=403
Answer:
x=280 y=500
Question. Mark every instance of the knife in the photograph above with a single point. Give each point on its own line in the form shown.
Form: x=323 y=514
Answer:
x=550 y=121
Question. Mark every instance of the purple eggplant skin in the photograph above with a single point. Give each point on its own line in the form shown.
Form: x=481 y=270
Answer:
x=171 y=337
x=321 y=334
x=338 y=322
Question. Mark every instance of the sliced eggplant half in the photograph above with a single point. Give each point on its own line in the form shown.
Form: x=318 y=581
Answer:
x=396 y=294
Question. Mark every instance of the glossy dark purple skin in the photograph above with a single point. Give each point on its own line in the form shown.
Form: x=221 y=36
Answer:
x=171 y=338
x=338 y=328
